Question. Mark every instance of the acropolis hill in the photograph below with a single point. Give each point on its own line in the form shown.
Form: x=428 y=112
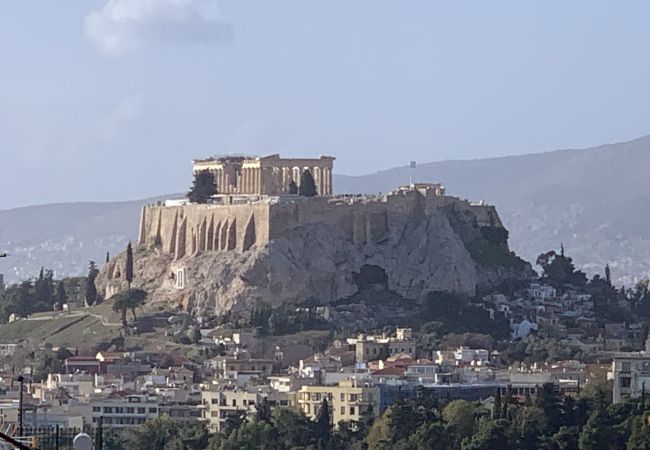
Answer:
x=255 y=242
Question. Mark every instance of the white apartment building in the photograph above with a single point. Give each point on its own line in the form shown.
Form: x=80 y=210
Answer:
x=220 y=402
x=631 y=375
x=126 y=411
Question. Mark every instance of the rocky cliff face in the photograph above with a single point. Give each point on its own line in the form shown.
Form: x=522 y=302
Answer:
x=314 y=261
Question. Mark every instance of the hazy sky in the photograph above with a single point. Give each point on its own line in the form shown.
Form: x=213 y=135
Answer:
x=108 y=100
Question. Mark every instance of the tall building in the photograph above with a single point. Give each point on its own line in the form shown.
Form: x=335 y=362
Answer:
x=268 y=175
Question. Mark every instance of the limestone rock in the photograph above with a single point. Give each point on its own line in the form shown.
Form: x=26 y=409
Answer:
x=419 y=255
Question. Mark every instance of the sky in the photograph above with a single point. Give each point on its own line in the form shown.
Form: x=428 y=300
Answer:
x=110 y=100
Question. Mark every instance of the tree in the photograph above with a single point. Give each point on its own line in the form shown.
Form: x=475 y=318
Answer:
x=294 y=429
x=598 y=433
x=566 y=438
x=459 y=415
x=430 y=436
x=164 y=433
x=256 y=434
x=128 y=300
x=491 y=434
x=50 y=362
x=307 y=184
x=44 y=290
x=640 y=436
x=560 y=270
x=324 y=420
x=129 y=265
x=91 y=289
x=203 y=187
x=496 y=412
x=549 y=402
x=61 y=296
x=293 y=187
x=263 y=411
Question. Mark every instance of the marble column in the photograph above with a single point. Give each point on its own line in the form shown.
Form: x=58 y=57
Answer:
x=327 y=190
x=241 y=181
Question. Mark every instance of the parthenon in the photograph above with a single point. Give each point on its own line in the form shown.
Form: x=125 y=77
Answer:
x=269 y=175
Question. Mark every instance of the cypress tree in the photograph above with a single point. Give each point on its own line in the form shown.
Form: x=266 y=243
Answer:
x=293 y=187
x=91 y=289
x=61 y=296
x=129 y=264
x=324 y=420
x=497 y=404
x=307 y=184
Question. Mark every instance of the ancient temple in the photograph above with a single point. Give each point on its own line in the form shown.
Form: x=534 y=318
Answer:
x=268 y=175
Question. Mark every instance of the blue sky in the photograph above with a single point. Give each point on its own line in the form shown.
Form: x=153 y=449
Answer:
x=110 y=100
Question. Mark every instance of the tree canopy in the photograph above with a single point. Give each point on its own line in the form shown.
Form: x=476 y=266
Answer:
x=128 y=300
x=203 y=187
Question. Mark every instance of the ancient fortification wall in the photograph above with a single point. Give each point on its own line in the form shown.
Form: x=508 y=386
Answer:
x=187 y=230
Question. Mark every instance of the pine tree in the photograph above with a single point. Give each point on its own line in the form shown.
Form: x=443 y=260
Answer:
x=203 y=187
x=307 y=184
x=129 y=264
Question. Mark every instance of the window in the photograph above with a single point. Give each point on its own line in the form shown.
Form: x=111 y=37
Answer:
x=342 y=397
x=353 y=397
x=119 y=410
x=215 y=401
x=153 y=410
x=130 y=410
x=342 y=410
x=625 y=367
x=625 y=382
x=352 y=410
x=234 y=402
x=96 y=409
x=180 y=278
x=108 y=410
x=142 y=410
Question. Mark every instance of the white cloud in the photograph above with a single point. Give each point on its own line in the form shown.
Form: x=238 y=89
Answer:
x=123 y=25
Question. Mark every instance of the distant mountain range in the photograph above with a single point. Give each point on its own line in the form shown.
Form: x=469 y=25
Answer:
x=594 y=201
x=64 y=237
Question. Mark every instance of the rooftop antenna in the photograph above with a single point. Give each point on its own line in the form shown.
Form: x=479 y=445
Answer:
x=411 y=167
